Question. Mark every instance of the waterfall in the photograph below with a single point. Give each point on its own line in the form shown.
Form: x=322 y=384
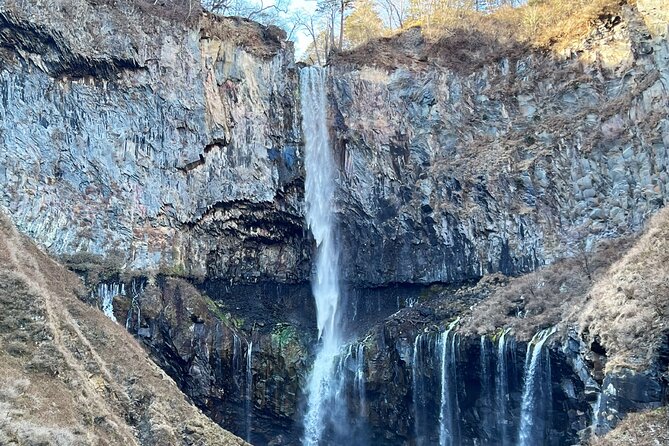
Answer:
x=449 y=429
x=323 y=408
x=249 y=390
x=359 y=381
x=536 y=391
x=106 y=293
x=350 y=376
x=502 y=388
x=236 y=360
x=597 y=422
x=137 y=291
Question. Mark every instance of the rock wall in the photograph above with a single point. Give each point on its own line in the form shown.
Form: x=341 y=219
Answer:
x=173 y=142
x=449 y=173
x=177 y=144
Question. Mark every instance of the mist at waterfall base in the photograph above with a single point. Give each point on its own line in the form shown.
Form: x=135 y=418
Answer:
x=337 y=410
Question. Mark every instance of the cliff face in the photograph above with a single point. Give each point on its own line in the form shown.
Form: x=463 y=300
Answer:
x=179 y=146
x=450 y=171
x=175 y=145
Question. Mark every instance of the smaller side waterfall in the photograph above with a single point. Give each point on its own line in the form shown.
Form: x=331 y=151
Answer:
x=350 y=388
x=502 y=388
x=536 y=391
x=249 y=390
x=359 y=382
x=236 y=361
x=449 y=429
x=418 y=389
x=106 y=293
x=351 y=370
x=136 y=291
x=597 y=421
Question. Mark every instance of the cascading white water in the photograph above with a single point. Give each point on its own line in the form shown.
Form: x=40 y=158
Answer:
x=106 y=293
x=236 y=360
x=319 y=194
x=597 y=421
x=418 y=390
x=136 y=292
x=448 y=414
x=359 y=382
x=528 y=417
x=502 y=388
x=487 y=426
x=249 y=390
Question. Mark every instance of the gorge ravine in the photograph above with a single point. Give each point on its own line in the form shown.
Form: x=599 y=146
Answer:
x=169 y=168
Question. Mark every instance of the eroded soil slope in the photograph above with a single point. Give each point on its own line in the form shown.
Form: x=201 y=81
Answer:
x=70 y=376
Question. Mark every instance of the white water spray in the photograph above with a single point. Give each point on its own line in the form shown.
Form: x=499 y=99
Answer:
x=319 y=194
x=418 y=390
x=502 y=388
x=448 y=411
x=532 y=381
x=106 y=293
x=249 y=390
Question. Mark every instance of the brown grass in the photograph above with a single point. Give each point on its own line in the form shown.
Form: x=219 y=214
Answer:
x=629 y=306
x=546 y=297
x=465 y=40
x=69 y=375
x=649 y=428
x=618 y=295
x=178 y=11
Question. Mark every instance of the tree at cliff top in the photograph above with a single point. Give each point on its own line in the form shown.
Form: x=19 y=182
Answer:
x=325 y=28
x=267 y=12
x=362 y=24
x=316 y=51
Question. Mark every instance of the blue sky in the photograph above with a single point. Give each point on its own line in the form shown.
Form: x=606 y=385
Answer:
x=300 y=36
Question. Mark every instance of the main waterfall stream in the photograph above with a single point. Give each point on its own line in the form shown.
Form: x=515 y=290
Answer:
x=323 y=408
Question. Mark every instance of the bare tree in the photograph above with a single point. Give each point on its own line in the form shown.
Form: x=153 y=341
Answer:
x=310 y=24
x=395 y=11
x=267 y=14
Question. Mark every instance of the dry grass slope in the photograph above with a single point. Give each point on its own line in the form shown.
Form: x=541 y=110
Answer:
x=464 y=40
x=617 y=294
x=70 y=376
x=629 y=306
x=639 y=429
x=546 y=297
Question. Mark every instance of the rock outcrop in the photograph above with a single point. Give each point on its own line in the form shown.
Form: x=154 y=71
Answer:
x=448 y=173
x=175 y=143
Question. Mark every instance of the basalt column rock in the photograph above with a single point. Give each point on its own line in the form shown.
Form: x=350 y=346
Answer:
x=449 y=172
x=173 y=141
